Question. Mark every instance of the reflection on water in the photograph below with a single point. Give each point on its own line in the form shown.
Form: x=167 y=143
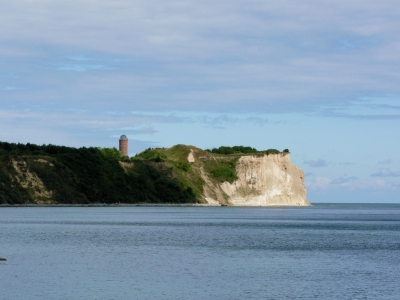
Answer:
x=320 y=252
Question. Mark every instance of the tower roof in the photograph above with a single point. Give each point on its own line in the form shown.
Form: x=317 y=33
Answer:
x=123 y=137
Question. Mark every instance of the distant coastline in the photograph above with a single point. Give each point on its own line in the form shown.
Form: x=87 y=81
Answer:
x=183 y=175
x=141 y=205
x=109 y=205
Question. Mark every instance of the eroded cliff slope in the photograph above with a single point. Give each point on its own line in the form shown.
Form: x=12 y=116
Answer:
x=262 y=180
x=267 y=180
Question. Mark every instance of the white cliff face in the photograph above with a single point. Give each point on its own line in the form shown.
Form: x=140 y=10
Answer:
x=266 y=180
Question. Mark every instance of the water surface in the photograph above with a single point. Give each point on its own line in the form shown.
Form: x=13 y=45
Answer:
x=340 y=251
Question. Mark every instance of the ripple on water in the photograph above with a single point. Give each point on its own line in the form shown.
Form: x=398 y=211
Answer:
x=200 y=253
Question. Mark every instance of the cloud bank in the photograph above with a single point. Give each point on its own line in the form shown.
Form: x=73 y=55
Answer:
x=254 y=56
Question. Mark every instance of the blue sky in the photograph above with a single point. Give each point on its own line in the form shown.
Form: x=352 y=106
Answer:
x=318 y=78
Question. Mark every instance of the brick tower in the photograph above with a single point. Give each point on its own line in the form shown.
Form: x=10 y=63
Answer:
x=123 y=145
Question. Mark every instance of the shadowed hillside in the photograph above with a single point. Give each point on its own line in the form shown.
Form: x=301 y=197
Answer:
x=57 y=174
x=181 y=174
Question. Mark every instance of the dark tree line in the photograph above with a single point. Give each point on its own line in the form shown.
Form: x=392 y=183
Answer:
x=32 y=149
x=242 y=149
x=86 y=175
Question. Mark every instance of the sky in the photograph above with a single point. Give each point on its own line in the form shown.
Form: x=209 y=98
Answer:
x=320 y=78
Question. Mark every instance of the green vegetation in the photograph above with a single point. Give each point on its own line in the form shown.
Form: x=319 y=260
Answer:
x=271 y=151
x=221 y=169
x=185 y=166
x=187 y=174
x=224 y=174
x=110 y=152
x=150 y=154
x=10 y=190
x=232 y=150
x=242 y=150
x=89 y=175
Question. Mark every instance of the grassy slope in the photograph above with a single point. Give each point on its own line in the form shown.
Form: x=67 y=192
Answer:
x=176 y=159
x=217 y=167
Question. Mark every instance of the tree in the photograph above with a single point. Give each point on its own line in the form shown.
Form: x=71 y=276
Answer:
x=112 y=153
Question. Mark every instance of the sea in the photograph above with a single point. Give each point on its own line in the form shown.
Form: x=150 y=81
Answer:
x=326 y=251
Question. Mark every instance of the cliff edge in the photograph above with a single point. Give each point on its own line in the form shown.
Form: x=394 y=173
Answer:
x=180 y=174
x=268 y=180
x=262 y=180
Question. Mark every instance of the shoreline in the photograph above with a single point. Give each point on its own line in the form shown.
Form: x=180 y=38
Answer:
x=105 y=205
x=142 y=205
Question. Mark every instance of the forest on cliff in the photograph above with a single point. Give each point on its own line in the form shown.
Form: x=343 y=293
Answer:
x=84 y=175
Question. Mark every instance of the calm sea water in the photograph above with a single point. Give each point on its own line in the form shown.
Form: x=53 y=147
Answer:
x=343 y=251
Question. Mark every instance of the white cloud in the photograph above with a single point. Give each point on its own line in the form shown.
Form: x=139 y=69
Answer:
x=316 y=163
x=213 y=55
x=12 y=88
x=384 y=172
x=319 y=183
x=351 y=183
x=81 y=67
x=385 y=162
x=343 y=180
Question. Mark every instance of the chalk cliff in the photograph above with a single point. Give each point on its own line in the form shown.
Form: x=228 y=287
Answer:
x=180 y=174
x=262 y=180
